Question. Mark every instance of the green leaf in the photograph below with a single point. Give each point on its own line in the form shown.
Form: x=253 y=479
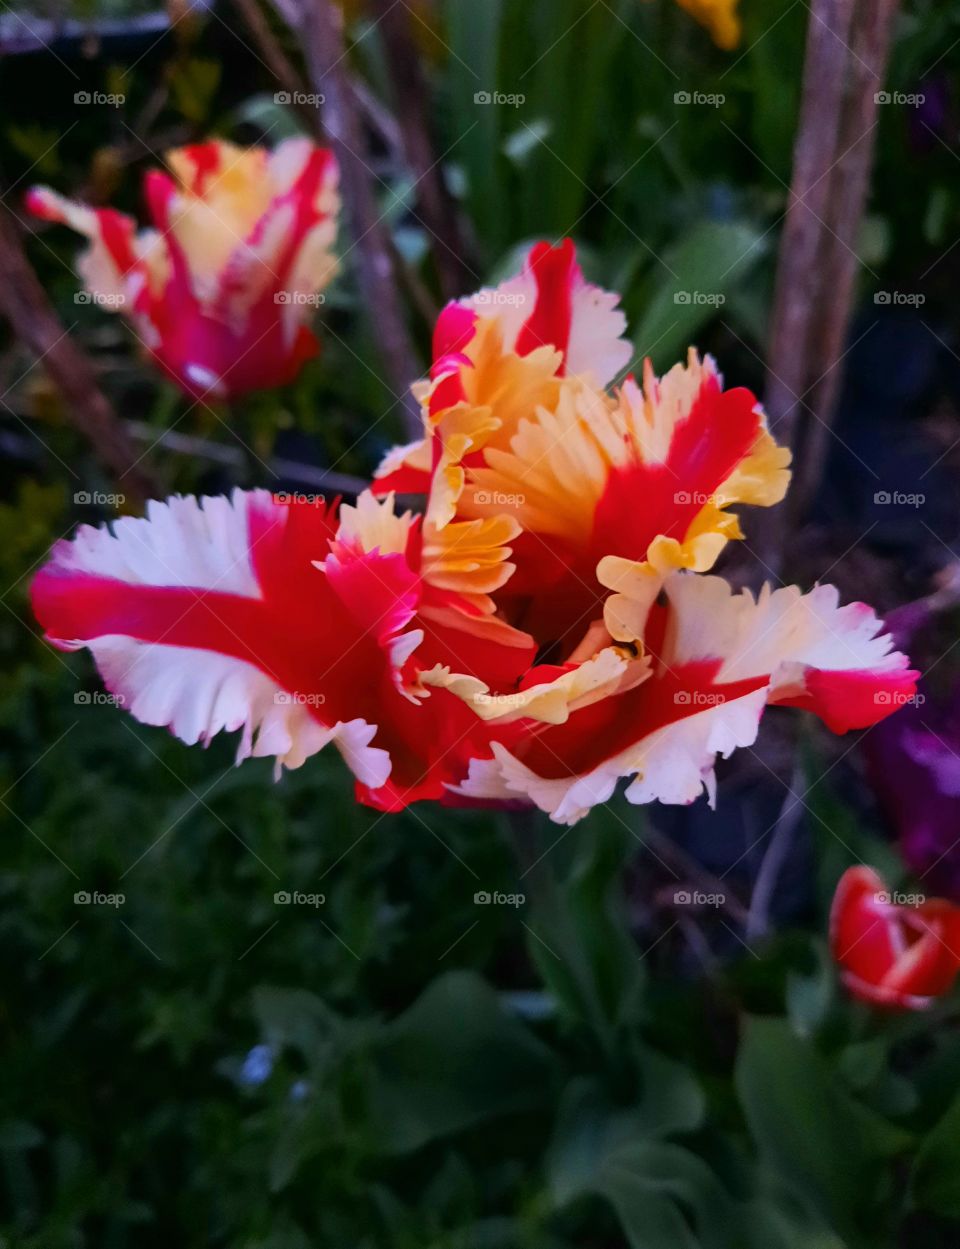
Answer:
x=615 y=1152
x=828 y=1148
x=648 y=1218
x=293 y=1147
x=17 y=1134
x=271 y=116
x=934 y=1183
x=809 y=997
x=577 y=43
x=590 y=1129
x=672 y=1100
x=297 y=1018
x=454 y=1059
x=193 y=84
x=773 y=48
x=579 y=935
x=644 y=1181
x=697 y=272
x=473 y=36
x=663 y=1194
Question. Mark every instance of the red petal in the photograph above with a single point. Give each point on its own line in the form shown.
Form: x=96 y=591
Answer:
x=863 y=932
x=853 y=700
x=644 y=500
x=555 y=271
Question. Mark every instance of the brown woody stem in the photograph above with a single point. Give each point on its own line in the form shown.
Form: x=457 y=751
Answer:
x=846 y=55
x=320 y=28
x=24 y=303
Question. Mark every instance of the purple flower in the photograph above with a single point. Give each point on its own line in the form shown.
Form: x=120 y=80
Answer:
x=913 y=761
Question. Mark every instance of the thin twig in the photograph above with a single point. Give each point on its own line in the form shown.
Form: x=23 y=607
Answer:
x=31 y=315
x=292 y=81
x=276 y=60
x=774 y=857
x=319 y=25
x=323 y=480
x=693 y=872
x=229 y=456
x=437 y=206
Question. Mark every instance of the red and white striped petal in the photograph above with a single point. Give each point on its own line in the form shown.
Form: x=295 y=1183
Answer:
x=211 y=205
x=111 y=267
x=718 y=658
x=813 y=653
x=673 y=764
x=288 y=254
x=895 y=956
x=212 y=615
x=504 y=350
x=550 y=303
x=405 y=469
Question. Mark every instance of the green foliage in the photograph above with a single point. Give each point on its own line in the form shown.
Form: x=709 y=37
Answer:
x=708 y=261
x=935 y=1170
x=452 y=1061
x=411 y=1085
x=821 y=1144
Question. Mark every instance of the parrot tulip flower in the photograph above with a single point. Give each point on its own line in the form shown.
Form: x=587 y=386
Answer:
x=541 y=631
x=898 y=952
x=220 y=289
x=517 y=422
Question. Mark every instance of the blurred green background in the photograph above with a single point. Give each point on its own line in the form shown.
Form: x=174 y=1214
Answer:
x=401 y=1067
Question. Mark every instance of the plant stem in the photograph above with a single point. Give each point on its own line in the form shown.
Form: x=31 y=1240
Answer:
x=320 y=27
x=32 y=317
x=846 y=56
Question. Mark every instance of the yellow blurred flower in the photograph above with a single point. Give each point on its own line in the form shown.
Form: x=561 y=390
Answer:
x=719 y=17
